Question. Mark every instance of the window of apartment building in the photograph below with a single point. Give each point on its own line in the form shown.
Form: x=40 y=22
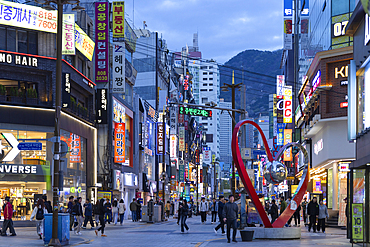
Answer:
x=204 y=118
x=203 y=90
x=18 y=40
x=204 y=79
x=89 y=73
x=203 y=67
x=204 y=100
x=210 y=67
x=88 y=30
x=211 y=78
x=210 y=90
x=205 y=124
x=80 y=65
x=210 y=73
x=205 y=84
x=211 y=84
x=204 y=73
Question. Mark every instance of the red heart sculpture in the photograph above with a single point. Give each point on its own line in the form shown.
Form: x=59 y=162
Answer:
x=302 y=186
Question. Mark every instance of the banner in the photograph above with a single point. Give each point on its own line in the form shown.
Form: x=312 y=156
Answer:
x=68 y=36
x=118 y=71
x=84 y=43
x=102 y=41
x=288 y=156
x=357 y=221
x=118 y=21
x=181 y=139
x=119 y=143
x=75 y=147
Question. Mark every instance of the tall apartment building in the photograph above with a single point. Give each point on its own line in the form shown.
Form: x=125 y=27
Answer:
x=225 y=133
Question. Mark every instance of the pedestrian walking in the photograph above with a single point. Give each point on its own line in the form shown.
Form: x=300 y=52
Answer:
x=88 y=214
x=214 y=208
x=297 y=216
x=138 y=210
x=96 y=213
x=178 y=211
x=230 y=214
x=183 y=212
x=323 y=214
x=108 y=211
x=221 y=204
x=78 y=214
x=8 y=222
x=38 y=214
x=115 y=211
x=133 y=208
x=69 y=210
x=121 y=211
x=304 y=210
x=47 y=204
x=102 y=213
x=313 y=212
x=283 y=205
x=203 y=208
x=168 y=209
x=289 y=223
x=273 y=211
x=172 y=208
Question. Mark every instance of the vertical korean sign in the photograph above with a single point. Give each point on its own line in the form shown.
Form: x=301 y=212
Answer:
x=119 y=143
x=160 y=138
x=75 y=145
x=288 y=156
x=173 y=146
x=181 y=170
x=68 y=42
x=102 y=41
x=181 y=139
x=118 y=47
x=66 y=90
x=358 y=221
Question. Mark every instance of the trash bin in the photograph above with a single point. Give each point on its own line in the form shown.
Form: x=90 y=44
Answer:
x=247 y=235
x=63 y=228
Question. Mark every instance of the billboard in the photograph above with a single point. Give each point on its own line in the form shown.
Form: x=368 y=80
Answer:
x=84 y=43
x=102 y=41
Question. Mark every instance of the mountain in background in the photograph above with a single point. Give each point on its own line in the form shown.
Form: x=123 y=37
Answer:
x=257 y=70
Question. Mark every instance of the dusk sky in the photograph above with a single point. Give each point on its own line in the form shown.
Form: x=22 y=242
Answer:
x=225 y=28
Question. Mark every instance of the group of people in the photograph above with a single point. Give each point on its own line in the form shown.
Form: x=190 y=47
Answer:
x=135 y=208
x=316 y=212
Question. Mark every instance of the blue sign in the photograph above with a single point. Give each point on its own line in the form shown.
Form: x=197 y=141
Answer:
x=288 y=8
x=30 y=146
x=259 y=152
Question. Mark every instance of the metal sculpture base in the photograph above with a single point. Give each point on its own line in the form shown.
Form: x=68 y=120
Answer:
x=285 y=233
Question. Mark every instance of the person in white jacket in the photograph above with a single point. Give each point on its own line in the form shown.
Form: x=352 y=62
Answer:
x=121 y=210
x=38 y=214
x=203 y=208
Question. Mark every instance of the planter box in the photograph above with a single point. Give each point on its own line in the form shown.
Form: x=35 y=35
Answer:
x=32 y=101
x=247 y=235
x=15 y=99
x=2 y=98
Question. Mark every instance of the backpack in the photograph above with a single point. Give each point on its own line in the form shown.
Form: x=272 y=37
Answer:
x=40 y=214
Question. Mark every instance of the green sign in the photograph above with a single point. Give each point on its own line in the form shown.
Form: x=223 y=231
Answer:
x=187 y=110
x=181 y=170
x=357 y=221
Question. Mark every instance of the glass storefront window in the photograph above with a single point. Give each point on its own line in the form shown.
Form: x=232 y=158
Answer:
x=359 y=186
x=330 y=188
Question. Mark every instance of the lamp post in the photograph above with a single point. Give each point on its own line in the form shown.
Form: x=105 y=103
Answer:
x=225 y=88
x=54 y=241
x=214 y=177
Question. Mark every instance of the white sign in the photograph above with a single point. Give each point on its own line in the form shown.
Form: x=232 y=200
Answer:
x=173 y=146
x=288 y=41
x=280 y=83
x=18 y=169
x=246 y=153
x=318 y=146
x=207 y=155
x=14 y=144
x=367 y=29
x=173 y=120
x=119 y=82
x=68 y=39
x=283 y=188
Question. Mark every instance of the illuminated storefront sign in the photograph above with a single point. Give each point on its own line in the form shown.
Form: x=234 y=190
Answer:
x=160 y=138
x=102 y=106
x=187 y=110
x=173 y=146
x=84 y=43
x=307 y=91
x=181 y=139
x=318 y=146
x=288 y=156
x=102 y=41
x=119 y=143
x=66 y=90
x=280 y=83
x=119 y=112
x=68 y=39
x=118 y=21
x=18 y=60
x=75 y=147
x=339 y=28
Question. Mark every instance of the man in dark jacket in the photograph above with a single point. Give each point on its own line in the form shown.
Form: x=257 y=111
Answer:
x=108 y=211
x=230 y=214
x=133 y=208
x=69 y=210
x=47 y=204
x=88 y=214
x=273 y=211
x=313 y=212
x=77 y=212
x=221 y=204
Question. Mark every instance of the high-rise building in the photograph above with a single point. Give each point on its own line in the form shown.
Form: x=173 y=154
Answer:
x=225 y=133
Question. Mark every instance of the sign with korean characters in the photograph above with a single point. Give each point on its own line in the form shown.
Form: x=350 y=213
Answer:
x=84 y=43
x=101 y=106
x=27 y=16
x=280 y=134
x=118 y=21
x=181 y=170
x=280 y=83
x=173 y=146
x=75 y=147
x=358 y=221
x=66 y=90
x=288 y=156
x=119 y=67
x=173 y=120
x=160 y=138
x=207 y=155
x=119 y=143
x=181 y=139
x=68 y=38
x=102 y=42
x=288 y=108
x=191 y=111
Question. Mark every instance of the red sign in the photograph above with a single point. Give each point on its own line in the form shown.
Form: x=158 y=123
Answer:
x=343 y=104
x=75 y=146
x=119 y=142
x=181 y=118
x=186 y=125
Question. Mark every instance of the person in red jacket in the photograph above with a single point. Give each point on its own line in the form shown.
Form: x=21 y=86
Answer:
x=8 y=222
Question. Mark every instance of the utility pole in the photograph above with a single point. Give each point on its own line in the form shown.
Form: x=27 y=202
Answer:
x=225 y=88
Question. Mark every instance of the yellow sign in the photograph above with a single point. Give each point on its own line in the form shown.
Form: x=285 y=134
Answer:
x=288 y=156
x=84 y=43
x=358 y=221
x=72 y=190
x=27 y=16
x=118 y=20
x=104 y=195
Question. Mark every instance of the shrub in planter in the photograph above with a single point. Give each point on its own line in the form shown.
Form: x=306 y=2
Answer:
x=2 y=90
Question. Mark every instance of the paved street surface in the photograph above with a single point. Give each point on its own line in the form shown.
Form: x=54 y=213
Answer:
x=168 y=234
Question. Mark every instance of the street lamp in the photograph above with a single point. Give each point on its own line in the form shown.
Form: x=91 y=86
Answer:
x=54 y=241
x=217 y=161
x=225 y=88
